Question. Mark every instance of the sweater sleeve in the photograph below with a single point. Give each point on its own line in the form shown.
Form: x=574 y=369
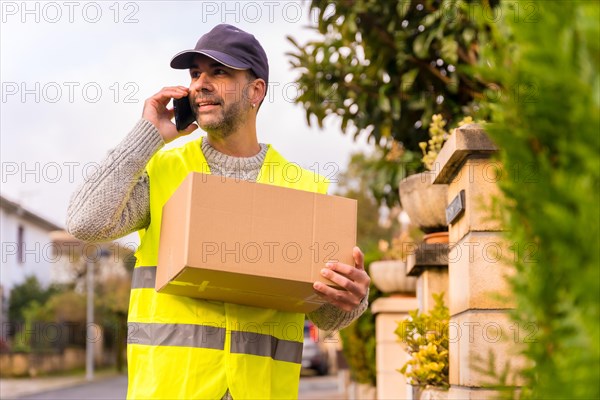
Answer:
x=329 y=317
x=115 y=200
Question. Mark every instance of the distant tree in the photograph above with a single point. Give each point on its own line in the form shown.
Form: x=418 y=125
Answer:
x=359 y=337
x=112 y=303
x=380 y=172
x=385 y=67
x=25 y=294
x=353 y=183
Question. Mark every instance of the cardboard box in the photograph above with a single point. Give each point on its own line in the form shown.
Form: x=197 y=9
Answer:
x=250 y=243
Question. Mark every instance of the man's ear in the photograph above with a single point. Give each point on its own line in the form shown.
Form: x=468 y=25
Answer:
x=257 y=89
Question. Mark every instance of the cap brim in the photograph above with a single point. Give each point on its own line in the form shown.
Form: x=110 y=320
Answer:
x=184 y=59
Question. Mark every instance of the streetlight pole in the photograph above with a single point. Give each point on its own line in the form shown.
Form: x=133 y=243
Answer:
x=90 y=328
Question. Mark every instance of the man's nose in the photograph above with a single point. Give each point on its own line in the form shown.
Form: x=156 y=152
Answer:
x=202 y=83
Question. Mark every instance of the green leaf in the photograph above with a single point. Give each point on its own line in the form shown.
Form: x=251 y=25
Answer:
x=430 y=19
x=292 y=40
x=402 y=8
x=449 y=50
x=468 y=35
x=408 y=79
x=384 y=100
x=420 y=46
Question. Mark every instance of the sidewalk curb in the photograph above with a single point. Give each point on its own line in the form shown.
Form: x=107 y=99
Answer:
x=16 y=388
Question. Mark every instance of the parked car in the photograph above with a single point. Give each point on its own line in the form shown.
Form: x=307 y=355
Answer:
x=314 y=356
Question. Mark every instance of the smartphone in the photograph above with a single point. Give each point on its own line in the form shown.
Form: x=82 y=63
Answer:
x=184 y=115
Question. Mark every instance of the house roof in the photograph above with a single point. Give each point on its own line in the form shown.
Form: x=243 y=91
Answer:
x=15 y=208
x=67 y=243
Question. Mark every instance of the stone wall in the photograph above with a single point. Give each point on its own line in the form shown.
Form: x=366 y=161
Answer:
x=481 y=331
x=471 y=268
x=390 y=311
x=41 y=363
x=31 y=364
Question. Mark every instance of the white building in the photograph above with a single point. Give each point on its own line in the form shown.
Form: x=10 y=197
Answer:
x=32 y=245
x=26 y=248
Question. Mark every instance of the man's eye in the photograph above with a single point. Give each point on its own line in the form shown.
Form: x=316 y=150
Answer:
x=195 y=74
x=220 y=71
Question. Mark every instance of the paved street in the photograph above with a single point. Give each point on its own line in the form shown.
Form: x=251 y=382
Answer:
x=311 y=388
x=105 y=389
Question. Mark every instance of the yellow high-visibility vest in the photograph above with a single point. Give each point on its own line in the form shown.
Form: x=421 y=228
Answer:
x=186 y=348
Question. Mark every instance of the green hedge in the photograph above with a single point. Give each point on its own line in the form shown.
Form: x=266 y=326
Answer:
x=548 y=129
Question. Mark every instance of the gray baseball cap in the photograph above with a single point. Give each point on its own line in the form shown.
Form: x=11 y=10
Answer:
x=231 y=47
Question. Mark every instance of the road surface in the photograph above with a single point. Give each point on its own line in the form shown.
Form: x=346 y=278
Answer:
x=115 y=388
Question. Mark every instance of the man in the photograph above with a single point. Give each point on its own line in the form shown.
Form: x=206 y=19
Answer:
x=180 y=347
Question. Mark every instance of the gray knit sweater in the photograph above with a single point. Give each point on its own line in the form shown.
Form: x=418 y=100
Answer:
x=115 y=201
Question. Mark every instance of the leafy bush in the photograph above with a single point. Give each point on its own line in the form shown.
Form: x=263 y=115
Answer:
x=548 y=132
x=24 y=295
x=385 y=67
x=425 y=336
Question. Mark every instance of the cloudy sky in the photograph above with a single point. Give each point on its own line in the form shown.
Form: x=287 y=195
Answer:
x=75 y=75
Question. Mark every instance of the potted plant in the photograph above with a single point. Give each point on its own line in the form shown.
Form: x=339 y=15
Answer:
x=389 y=273
x=389 y=276
x=425 y=336
x=424 y=202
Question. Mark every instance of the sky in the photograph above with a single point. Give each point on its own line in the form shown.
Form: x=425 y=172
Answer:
x=75 y=75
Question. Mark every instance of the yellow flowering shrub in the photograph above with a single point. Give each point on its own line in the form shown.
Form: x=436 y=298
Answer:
x=438 y=136
x=425 y=336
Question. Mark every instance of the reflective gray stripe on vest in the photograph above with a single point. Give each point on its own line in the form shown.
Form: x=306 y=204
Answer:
x=143 y=278
x=259 y=344
x=181 y=335
x=189 y=335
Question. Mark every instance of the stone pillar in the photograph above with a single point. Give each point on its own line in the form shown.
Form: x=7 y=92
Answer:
x=3 y=317
x=479 y=324
x=429 y=263
x=390 y=356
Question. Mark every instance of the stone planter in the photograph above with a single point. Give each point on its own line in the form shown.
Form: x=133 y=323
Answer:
x=424 y=202
x=390 y=277
x=429 y=393
x=434 y=393
x=361 y=391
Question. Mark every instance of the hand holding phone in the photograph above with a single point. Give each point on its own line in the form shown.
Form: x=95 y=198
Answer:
x=184 y=116
x=156 y=111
